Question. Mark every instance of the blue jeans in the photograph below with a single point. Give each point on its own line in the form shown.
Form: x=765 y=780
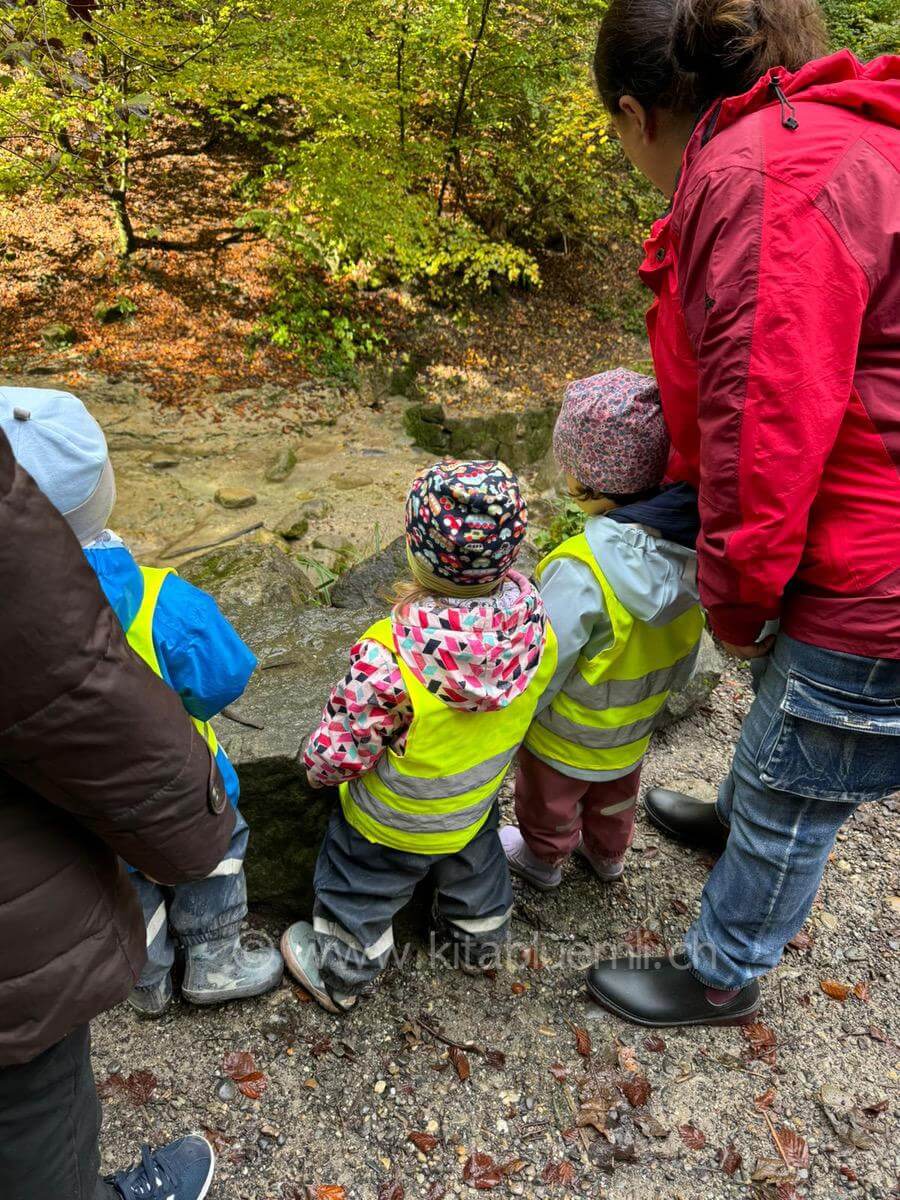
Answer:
x=822 y=736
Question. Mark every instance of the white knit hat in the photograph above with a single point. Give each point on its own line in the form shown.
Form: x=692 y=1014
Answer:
x=57 y=441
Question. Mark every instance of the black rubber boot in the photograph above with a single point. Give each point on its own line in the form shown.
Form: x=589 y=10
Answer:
x=692 y=821
x=663 y=991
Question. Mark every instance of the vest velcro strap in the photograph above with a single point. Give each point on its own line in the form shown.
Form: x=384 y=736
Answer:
x=416 y=788
x=417 y=822
x=593 y=736
x=620 y=693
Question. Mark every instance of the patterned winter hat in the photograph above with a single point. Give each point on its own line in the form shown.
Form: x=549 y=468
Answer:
x=464 y=524
x=610 y=434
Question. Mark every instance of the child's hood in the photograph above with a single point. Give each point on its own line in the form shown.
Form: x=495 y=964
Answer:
x=478 y=655
x=655 y=579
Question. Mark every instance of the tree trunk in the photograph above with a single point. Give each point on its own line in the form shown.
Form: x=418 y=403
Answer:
x=461 y=104
x=128 y=240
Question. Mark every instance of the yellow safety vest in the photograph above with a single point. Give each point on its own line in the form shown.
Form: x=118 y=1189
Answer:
x=602 y=718
x=434 y=797
x=140 y=636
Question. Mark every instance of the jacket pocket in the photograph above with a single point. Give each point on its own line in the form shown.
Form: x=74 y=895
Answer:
x=830 y=744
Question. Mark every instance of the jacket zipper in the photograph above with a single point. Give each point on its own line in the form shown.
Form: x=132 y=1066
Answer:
x=788 y=112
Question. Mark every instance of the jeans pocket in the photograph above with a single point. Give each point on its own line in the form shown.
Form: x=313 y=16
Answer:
x=829 y=744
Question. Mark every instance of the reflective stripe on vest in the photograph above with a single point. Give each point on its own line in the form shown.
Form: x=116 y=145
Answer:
x=433 y=798
x=602 y=718
x=140 y=636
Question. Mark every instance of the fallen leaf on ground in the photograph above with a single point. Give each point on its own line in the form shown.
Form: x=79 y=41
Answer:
x=437 y=1191
x=593 y=1112
x=330 y=1191
x=301 y=994
x=320 y=1047
x=518 y=989
x=680 y=907
x=761 y=1041
x=558 y=1071
x=482 y=1172
x=655 y=1044
x=793 y=1147
x=217 y=1139
x=460 y=1062
x=847 y=1172
x=391 y=1189
x=729 y=1159
x=558 y=1172
x=764 y=1099
x=582 y=1041
x=801 y=941
x=495 y=1058
x=513 y=1166
x=636 y=1090
x=425 y=1142
x=642 y=938
x=137 y=1088
x=861 y=991
x=531 y=959
x=693 y=1138
x=835 y=990
x=876 y=1108
x=627 y=1059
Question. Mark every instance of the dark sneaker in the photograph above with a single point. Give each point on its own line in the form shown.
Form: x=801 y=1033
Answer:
x=298 y=945
x=183 y=1170
x=663 y=991
x=689 y=820
x=227 y=970
x=152 y=1001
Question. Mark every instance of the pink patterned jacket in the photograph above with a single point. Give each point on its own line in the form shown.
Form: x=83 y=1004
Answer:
x=477 y=655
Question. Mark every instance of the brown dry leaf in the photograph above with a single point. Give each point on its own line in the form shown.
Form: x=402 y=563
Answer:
x=655 y=1044
x=391 y=1189
x=460 y=1062
x=680 y=907
x=875 y=1109
x=642 y=938
x=627 y=1059
x=835 y=990
x=240 y=1066
x=301 y=994
x=217 y=1139
x=437 y=1191
x=320 y=1047
x=518 y=989
x=764 y=1099
x=729 y=1159
x=593 y=1112
x=794 y=1148
x=582 y=1041
x=861 y=991
x=482 y=1172
x=513 y=1166
x=558 y=1071
x=848 y=1173
x=801 y=941
x=636 y=1090
x=495 y=1058
x=558 y=1172
x=569 y=1135
x=761 y=1041
x=693 y=1138
x=531 y=959
x=137 y=1088
x=425 y=1142
x=330 y=1191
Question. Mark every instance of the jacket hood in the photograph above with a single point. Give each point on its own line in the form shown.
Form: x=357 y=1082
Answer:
x=870 y=89
x=477 y=655
x=655 y=579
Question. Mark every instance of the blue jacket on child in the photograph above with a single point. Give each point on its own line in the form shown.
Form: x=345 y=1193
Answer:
x=200 y=655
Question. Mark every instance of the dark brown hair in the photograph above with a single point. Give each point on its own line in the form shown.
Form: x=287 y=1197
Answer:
x=684 y=54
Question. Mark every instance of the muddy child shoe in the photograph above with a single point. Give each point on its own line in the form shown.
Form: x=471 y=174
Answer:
x=183 y=1170
x=152 y=1001
x=525 y=864
x=298 y=945
x=607 y=869
x=228 y=970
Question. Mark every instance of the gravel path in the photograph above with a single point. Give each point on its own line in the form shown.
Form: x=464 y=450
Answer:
x=341 y=1098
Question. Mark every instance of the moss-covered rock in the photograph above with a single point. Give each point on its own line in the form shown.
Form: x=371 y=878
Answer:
x=58 y=336
x=518 y=438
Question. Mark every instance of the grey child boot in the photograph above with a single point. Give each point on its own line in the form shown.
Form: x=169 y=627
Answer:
x=225 y=969
x=152 y=1001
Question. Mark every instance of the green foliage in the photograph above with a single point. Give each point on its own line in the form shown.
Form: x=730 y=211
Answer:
x=567 y=522
x=867 y=27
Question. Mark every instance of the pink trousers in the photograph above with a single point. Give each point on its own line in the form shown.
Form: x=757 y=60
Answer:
x=554 y=810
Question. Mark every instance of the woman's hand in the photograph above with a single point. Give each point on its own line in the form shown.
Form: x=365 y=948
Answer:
x=757 y=650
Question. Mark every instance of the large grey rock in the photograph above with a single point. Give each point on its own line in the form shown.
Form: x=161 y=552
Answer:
x=369 y=583
x=697 y=691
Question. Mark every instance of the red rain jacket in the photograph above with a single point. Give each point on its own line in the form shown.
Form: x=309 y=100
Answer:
x=776 y=343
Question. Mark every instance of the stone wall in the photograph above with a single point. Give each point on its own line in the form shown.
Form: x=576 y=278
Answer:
x=518 y=438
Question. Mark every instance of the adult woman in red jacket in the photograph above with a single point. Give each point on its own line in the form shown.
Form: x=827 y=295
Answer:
x=776 y=340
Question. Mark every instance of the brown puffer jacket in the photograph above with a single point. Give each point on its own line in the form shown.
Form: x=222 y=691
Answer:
x=97 y=759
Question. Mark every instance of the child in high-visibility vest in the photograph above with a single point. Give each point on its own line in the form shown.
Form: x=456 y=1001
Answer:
x=420 y=735
x=622 y=601
x=180 y=633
